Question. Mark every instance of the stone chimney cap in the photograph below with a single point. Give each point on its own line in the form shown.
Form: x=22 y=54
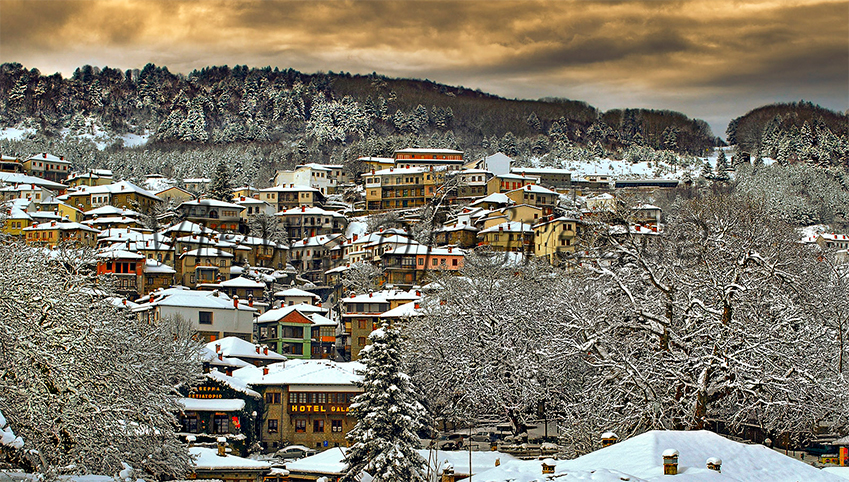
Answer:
x=714 y=461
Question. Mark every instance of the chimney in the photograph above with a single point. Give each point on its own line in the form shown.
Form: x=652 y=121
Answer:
x=222 y=447
x=235 y=301
x=417 y=305
x=670 y=462
x=191 y=439
x=220 y=357
x=714 y=463
x=608 y=439
x=44 y=155
x=448 y=472
x=265 y=350
x=548 y=466
x=228 y=371
x=264 y=371
x=257 y=349
x=418 y=293
x=251 y=300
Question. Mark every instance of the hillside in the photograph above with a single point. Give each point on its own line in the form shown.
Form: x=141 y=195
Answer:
x=323 y=116
x=789 y=132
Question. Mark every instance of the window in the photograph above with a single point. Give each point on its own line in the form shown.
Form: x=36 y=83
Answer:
x=300 y=425
x=421 y=261
x=335 y=425
x=221 y=423
x=272 y=426
x=453 y=262
x=293 y=398
x=361 y=324
x=318 y=425
x=302 y=398
x=205 y=317
x=434 y=262
x=272 y=397
x=190 y=424
x=321 y=398
x=361 y=341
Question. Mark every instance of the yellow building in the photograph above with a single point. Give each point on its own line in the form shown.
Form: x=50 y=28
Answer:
x=123 y=194
x=535 y=195
x=94 y=177
x=56 y=232
x=401 y=188
x=511 y=236
x=47 y=166
x=554 y=237
x=290 y=196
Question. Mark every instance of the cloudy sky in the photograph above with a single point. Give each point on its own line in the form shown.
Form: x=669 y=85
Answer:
x=711 y=59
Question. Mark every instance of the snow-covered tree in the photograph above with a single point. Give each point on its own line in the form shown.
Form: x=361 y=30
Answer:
x=361 y=277
x=485 y=346
x=85 y=386
x=220 y=188
x=269 y=227
x=388 y=415
x=717 y=319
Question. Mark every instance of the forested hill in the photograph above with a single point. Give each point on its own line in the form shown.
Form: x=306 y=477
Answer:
x=327 y=116
x=788 y=132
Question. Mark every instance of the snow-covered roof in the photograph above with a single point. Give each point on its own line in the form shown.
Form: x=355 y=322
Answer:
x=296 y=292
x=234 y=347
x=118 y=254
x=318 y=320
x=241 y=282
x=232 y=382
x=424 y=150
x=539 y=170
x=508 y=227
x=304 y=308
x=208 y=459
x=290 y=188
x=329 y=462
x=494 y=198
x=209 y=252
x=304 y=372
x=535 y=189
x=399 y=170
x=309 y=211
x=193 y=299
x=211 y=404
x=108 y=210
x=419 y=249
x=18 y=178
x=152 y=266
x=404 y=311
x=65 y=226
x=115 y=188
x=212 y=203
x=641 y=458
x=315 y=241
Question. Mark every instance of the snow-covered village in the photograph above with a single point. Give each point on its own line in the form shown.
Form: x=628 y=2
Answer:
x=262 y=274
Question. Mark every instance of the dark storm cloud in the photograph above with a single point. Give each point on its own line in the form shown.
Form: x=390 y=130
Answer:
x=671 y=54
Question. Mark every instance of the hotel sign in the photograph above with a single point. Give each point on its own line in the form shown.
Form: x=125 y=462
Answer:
x=312 y=408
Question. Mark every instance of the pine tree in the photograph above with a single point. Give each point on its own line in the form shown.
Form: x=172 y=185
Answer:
x=220 y=187
x=721 y=162
x=388 y=416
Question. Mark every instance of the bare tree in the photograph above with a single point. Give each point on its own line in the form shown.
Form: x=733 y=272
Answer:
x=83 y=385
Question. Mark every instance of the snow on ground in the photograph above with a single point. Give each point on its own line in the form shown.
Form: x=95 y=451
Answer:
x=842 y=472
x=358 y=226
x=134 y=140
x=14 y=133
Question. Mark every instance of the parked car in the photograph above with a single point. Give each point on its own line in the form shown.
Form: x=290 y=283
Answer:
x=294 y=452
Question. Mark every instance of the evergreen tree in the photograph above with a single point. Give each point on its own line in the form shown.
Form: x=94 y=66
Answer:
x=220 y=187
x=721 y=162
x=388 y=416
